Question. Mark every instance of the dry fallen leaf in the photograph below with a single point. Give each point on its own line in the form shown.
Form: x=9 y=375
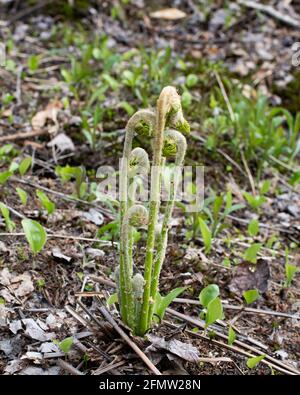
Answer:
x=50 y=113
x=22 y=285
x=34 y=331
x=62 y=142
x=248 y=276
x=185 y=351
x=171 y=14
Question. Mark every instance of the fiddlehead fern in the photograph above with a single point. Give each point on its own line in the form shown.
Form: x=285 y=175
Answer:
x=136 y=216
x=175 y=145
x=168 y=105
x=147 y=118
x=137 y=293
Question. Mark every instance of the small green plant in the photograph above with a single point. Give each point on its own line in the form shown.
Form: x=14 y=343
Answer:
x=251 y=252
x=67 y=173
x=254 y=361
x=35 y=234
x=251 y=295
x=290 y=270
x=262 y=132
x=138 y=295
x=46 y=202
x=25 y=165
x=255 y=201
x=209 y=298
x=253 y=227
x=65 y=345
x=231 y=336
x=22 y=195
x=212 y=220
x=10 y=225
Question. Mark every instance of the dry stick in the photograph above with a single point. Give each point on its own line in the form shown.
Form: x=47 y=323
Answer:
x=110 y=283
x=69 y=368
x=238 y=342
x=60 y=194
x=221 y=152
x=77 y=316
x=287 y=19
x=29 y=10
x=232 y=348
x=21 y=136
x=135 y=348
x=262 y=225
x=224 y=94
x=110 y=366
x=252 y=184
x=241 y=308
x=202 y=326
x=102 y=280
x=68 y=237
x=231 y=113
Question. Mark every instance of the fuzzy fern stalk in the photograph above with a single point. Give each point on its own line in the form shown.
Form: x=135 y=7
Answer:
x=136 y=293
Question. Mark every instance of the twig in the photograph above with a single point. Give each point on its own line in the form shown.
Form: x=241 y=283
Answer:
x=232 y=348
x=242 y=308
x=61 y=195
x=287 y=19
x=69 y=368
x=199 y=324
x=224 y=94
x=18 y=86
x=262 y=225
x=15 y=212
x=29 y=10
x=135 y=348
x=109 y=367
x=69 y=237
x=102 y=280
x=21 y=136
x=251 y=181
x=221 y=152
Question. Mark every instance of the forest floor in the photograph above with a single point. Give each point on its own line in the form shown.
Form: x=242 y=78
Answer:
x=68 y=87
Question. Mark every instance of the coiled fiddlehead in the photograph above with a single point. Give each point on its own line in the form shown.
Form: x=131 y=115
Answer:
x=137 y=293
x=168 y=105
x=147 y=118
x=136 y=216
x=176 y=145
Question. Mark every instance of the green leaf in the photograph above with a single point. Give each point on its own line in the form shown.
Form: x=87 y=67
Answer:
x=231 y=336
x=22 y=195
x=252 y=362
x=24 y=165
x=112 y=299
x=254 y=201
x=13 y=167
x=35 y=234
x=251 y=295
x=250 y=254
x=10 y=225
x=208 y=294
x=191 y=80
x=290 y=271
x=46 y=202
x=265 y=187
x=206 y=235
x=214 y=311
x=4 y=176
x=186 y=99
x=33 y=62
x=162 y=302
x=66 y=344
x=253 y=227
